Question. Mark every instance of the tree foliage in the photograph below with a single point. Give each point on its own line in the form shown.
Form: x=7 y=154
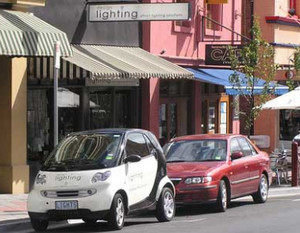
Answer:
x=292 y=82
x=257 y=63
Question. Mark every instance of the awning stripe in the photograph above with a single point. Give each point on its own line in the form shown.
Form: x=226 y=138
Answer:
x=114 y=62
x=22 y=34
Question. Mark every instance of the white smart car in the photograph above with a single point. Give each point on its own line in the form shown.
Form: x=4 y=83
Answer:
x=102 y=174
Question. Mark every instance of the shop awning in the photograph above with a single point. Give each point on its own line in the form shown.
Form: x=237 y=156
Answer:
x=221 y=77
x=113 y=62
x=23 y=34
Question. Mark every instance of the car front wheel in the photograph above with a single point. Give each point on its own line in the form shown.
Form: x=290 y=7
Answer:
x=165 y=209
x=117 y=213
x=261 y=195
x=39 y=225
x=221 y=204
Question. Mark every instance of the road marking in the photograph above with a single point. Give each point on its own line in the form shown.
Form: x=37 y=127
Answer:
x=296 y=200
x=192 y=220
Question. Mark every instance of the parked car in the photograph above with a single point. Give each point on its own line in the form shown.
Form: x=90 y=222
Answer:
x=102 y=174
x=217 y=168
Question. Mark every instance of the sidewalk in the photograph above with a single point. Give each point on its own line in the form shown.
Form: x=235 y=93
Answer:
x=13 y=208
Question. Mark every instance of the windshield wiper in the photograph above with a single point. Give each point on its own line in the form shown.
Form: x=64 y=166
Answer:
x=54 y=167
x=176 y=161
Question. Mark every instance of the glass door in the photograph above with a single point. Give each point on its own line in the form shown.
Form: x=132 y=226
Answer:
x=224 y=114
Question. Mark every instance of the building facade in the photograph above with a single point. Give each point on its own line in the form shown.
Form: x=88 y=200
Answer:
x=121 y=74
x=199 y=106
x=280 y=26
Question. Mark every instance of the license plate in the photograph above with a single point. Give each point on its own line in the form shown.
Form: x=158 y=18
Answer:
x=66 y=205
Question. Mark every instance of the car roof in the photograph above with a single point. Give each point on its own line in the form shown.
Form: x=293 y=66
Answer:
x=206 y=136
x=109 y=130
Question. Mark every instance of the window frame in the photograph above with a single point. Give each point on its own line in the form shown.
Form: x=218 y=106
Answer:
x=211 y=31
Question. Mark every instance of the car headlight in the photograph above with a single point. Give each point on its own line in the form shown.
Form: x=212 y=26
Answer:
x=198 y=180
x=40 y=179
x=101 y=176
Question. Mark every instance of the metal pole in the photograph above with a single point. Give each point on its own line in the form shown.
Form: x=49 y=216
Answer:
x=295 y=165
x=55 y=88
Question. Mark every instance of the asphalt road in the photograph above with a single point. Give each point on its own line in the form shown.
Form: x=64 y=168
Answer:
x=278 y=215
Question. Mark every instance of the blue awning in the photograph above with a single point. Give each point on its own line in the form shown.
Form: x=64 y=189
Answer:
x=221 y=77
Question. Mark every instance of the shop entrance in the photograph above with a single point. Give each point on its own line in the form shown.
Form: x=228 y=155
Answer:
x=113 y=108
x=215 y=111
x=173 y=119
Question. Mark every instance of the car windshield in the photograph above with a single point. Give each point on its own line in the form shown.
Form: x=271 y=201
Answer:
x=196 y=151
x=84 y=152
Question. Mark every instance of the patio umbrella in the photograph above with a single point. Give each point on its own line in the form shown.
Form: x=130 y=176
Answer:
x=290 y=100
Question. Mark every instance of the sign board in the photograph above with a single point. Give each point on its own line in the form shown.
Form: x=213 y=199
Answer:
x=219 y=54
x=139 y=12
x=216 y=1
x=99 y=82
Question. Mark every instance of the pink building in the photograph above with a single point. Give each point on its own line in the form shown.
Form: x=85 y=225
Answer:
x=179 y=107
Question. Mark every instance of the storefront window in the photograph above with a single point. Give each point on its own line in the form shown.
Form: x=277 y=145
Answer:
x=40 y=119
x=211 y=119
x=38 y=124
x=101 y=109
x=111 y=108
x=68 y=111
x=289 y=124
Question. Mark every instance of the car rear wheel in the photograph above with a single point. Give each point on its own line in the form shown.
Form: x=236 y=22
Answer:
x=117 y=213
x=39 y=225
x=222 y=201
x=261 y=195
x=165 y=209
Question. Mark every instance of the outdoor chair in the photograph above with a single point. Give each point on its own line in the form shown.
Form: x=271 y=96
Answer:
x=279 y=165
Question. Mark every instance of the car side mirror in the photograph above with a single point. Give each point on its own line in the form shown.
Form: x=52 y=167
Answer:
x=236 y=155
x=132 y=158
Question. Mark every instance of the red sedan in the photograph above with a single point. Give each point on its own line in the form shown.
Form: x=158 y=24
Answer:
x=217 y=168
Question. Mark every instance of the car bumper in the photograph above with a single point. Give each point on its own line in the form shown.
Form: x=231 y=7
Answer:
x=95 y=206
x=196 y=194
x=57 y=215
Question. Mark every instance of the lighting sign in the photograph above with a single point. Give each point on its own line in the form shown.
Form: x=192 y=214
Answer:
x=139 y=12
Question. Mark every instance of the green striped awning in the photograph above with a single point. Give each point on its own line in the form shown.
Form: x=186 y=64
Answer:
x=23 y=34
x=114 y=62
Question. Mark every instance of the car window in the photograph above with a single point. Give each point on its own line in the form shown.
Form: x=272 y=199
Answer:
x=234 y=146
x=85 y=152
x=197 y=151
x=149 y=144
x=136 y=145
x=245 y=146
x=253 y=150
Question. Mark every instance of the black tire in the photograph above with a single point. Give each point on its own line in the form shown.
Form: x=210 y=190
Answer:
x=117 y=213
x=165 y=208
x=39 y=225
x=222 y=199
x=261 y=195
